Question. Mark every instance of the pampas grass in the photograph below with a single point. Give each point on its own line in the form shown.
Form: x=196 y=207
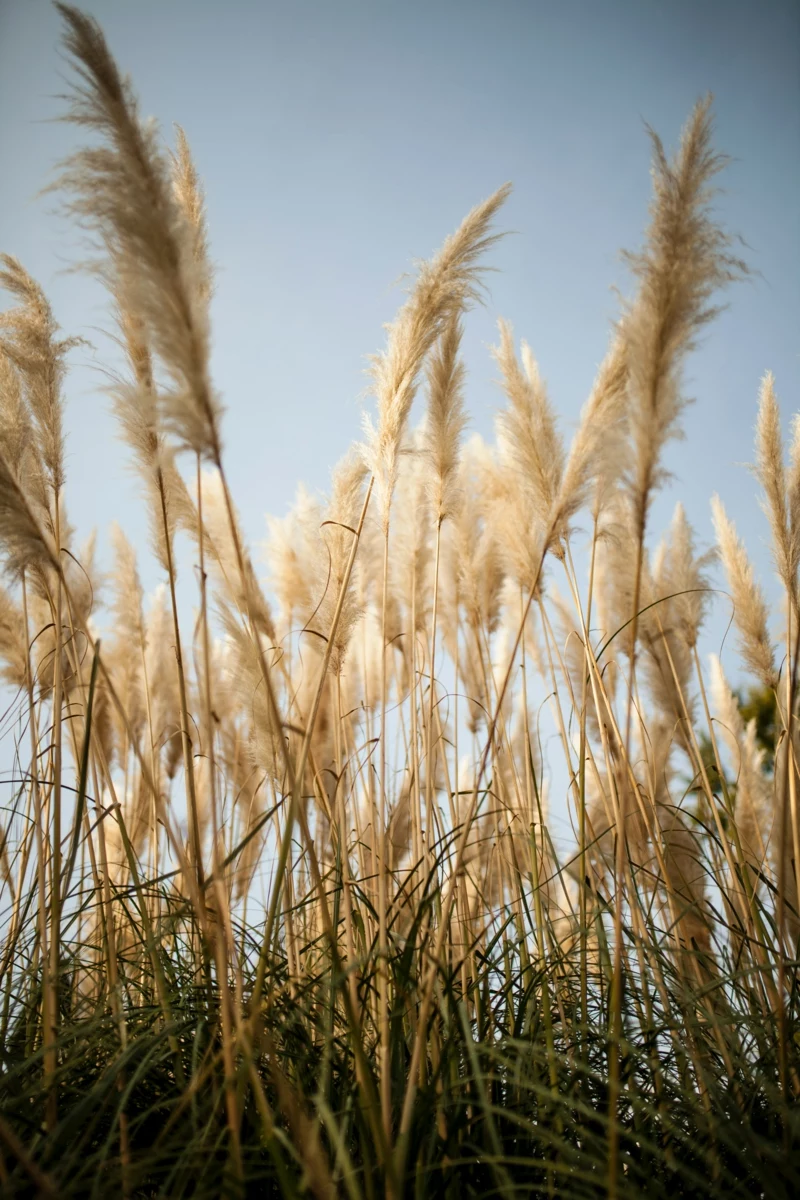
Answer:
x=283 y=908
x=750 y=608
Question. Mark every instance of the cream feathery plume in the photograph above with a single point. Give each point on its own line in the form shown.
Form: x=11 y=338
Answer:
x=677 y=593
x=527 y=428
x=122 y=192
x=20 y=447
x=23 y=538
x=188 y=192
x=247 y=684
x=668 y=669
x=241 y=588
x=136 y=408
x=337 y=531
x=559 y=485
x=242 y=777
x=116 y=858
x=771 y=474
x=250 y=802
x=369 y=574
x=398 y=836
x=449 y=589
x=472 y=581
x=140 y=826
x=13 y=642
x=292 y=552
x=753 y=808
x=512 y=606
x=524 y=743
x=398 y=830
x=84 y=582
x=793 y=486
x=596 y=457
x=445 y=286
x=103 y=730
x=749 y=606
x=127 y=593
x=686 y=259
x=123 y=653
x=681 y=574
x=411 y=548
x=41 y=635
x=574 y=658
x=128 y=643
x=783 y=845
x=479 y=568
x=446 y=420
x=473 y=684
x=603 y=621
x=363 y=667
x=15 y=421
x=615 y=571
x=162 y=680
x=507 y=509
x=682 y=853
x=28 y=338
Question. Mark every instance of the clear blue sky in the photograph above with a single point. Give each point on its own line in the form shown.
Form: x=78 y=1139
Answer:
x=338 y=141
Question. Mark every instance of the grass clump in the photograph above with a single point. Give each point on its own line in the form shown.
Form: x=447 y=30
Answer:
x=282 y=912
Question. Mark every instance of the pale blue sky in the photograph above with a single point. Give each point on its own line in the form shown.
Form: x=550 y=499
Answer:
x=339 y=140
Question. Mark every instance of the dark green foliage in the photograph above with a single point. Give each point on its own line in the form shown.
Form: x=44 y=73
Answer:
x=500 y=1110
